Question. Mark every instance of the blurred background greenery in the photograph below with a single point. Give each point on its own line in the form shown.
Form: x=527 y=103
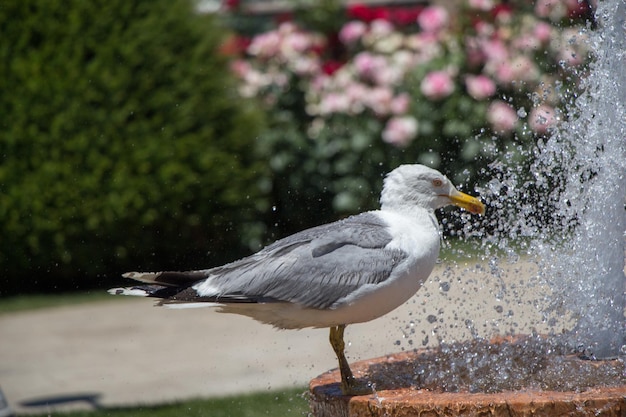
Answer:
x=123 y=144
x=132 y=136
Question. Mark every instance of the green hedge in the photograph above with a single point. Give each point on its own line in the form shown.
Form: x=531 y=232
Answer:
x=123 y=143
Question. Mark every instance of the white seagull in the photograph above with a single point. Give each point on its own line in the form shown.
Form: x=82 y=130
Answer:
x=350 y=271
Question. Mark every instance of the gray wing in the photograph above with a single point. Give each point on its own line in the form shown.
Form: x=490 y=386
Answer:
x=315 y=267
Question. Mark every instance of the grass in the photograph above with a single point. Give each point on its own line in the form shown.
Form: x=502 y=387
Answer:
x=17 y=303
x=286 y=403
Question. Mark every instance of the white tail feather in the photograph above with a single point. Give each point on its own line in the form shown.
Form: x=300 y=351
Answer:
x=137 y=292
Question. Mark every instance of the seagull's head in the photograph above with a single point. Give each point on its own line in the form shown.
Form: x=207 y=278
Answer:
x=418 y=185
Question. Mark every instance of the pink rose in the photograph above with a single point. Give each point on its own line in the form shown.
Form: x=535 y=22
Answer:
x=527 y=41
x=379 y=100
x=380 y=28
x=437 y=85
x=426 y=46
x=400 y=104
x=295 y=43
x=495 y=50
x=240 y=67
x=542 y=118
x=334 y=103
x=525 y=69
x=367 y=65
x=501 y=116
x=387 y=74
x=265 y=45
x=433 y=19
x=481 y=4
x=352 y=31
x=305 y=65
x=480 y=86
x=543 y=31
x=554 y=9
x=504 y=72
x=519 y=68
x=400 y=131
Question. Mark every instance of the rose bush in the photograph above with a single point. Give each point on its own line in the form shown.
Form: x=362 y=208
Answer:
x=409 y=84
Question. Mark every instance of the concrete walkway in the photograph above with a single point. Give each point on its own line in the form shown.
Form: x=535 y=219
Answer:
x=126 y=352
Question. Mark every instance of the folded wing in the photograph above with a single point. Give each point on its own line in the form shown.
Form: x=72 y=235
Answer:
x=314 y=268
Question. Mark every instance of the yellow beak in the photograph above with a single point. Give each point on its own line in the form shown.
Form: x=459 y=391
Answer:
x=469 y=203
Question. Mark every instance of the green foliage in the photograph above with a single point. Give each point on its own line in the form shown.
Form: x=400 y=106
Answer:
x=322 y=174
x=29 y=302
x=326 y=16
x=123 y=143
x=290 y=402
x=337 y=173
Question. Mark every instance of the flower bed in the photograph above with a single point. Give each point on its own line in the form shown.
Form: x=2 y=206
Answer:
x=385 y=85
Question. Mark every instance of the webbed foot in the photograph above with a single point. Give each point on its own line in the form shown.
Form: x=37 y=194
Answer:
x=355 y=387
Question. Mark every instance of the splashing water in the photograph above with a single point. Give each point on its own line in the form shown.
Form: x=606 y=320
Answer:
x=588 y=269
x=560 y=220
x=571 y=212
x=562 y=214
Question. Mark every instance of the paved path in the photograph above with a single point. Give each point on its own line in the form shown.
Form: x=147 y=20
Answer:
x=126 y=352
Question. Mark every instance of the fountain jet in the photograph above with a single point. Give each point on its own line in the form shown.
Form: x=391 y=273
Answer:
x=585 y=265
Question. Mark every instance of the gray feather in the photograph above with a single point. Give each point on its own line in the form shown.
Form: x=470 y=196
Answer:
x=310 y=268
x=307 y=268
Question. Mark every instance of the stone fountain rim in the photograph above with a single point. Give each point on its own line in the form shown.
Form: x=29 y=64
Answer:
x=330 y=379
x=325 y=393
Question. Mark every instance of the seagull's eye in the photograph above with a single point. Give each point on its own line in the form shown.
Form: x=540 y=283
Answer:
x=437 y=182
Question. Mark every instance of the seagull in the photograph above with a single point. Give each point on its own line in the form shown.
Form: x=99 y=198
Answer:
x=350 y=271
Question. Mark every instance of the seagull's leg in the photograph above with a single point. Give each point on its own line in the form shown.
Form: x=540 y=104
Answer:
x=349 y=385
x=336 y=341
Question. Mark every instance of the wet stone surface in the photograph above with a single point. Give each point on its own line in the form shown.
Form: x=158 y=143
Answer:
x=526 y=363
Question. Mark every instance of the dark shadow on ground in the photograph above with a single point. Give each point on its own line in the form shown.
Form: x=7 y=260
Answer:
x=90 y=398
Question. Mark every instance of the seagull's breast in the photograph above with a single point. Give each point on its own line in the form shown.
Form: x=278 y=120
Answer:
x=417 y=236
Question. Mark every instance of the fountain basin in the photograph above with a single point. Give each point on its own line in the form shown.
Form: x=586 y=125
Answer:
x=434 y=382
